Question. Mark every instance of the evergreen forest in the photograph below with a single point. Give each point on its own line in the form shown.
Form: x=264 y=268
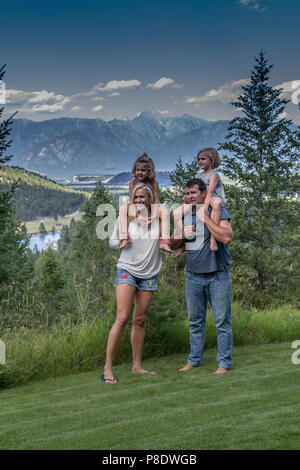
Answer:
x=37 y=196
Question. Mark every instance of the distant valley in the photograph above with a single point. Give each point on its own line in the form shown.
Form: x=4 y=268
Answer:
x=65 y=147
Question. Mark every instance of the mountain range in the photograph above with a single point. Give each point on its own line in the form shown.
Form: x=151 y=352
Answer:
x=68 y=146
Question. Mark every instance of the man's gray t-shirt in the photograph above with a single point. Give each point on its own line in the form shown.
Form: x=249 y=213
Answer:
x=200 y=258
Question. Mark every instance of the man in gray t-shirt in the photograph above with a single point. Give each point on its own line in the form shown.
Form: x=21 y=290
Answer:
x=207 y=276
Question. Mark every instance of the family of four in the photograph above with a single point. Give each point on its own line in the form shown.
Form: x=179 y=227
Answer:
x=202 y=228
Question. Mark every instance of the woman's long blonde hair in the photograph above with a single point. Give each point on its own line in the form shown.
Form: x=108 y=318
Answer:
x=148 y=189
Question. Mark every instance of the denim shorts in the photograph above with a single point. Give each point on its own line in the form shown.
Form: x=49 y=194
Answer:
x=124 y=277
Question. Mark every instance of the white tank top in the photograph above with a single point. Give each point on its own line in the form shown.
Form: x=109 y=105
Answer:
x=142 y=257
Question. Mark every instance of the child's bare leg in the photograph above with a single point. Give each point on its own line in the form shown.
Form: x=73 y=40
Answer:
x=216 y=205
x=178 y=215
x=164 y=229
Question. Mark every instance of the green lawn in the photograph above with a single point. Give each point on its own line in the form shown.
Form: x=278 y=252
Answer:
x=33 y=226
x=255 y=406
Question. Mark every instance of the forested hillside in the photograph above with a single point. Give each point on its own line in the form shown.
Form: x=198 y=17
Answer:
x=37 y=196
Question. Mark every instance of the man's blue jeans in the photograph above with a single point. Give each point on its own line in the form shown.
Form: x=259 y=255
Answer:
x=215 y=289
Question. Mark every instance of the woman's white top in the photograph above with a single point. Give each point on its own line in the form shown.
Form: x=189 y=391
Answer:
x=142 y=257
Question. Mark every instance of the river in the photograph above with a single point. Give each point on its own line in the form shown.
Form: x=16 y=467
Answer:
x=44 y=241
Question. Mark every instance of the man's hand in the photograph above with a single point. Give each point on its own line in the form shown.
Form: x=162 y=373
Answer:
x=189 y=232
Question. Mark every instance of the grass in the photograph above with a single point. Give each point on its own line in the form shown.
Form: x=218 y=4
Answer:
x=255 y=406
x=68 y=347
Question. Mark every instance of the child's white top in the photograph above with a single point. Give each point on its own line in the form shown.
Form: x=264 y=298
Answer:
x=219 y=190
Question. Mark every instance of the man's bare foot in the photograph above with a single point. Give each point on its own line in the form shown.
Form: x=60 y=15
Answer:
x=141 y=371
x=221 y=370
x=186 y=368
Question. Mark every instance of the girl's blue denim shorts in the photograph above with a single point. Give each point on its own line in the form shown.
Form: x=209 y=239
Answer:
x=124 y=277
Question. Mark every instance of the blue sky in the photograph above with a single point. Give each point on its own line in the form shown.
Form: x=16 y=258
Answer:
x=114 y=59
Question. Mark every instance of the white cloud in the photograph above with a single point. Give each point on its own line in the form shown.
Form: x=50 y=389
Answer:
x=163 y=111
x=98 y=108
x=115 y=93
x=17 y=96
x=253 y=4
x=47 y=108
x=161 y=83
x=119 y=85
x=98 y=98
x=76 y=108
x=41 y=96
x=63 y=100
x=226 y=93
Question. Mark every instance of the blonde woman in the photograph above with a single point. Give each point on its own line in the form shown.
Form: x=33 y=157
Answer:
x=137 y=276
x=143 y=171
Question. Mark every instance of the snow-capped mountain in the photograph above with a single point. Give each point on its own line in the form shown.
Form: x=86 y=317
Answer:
x=65 y=146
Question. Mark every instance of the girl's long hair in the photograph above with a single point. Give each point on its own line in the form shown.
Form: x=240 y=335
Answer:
x=150 y=166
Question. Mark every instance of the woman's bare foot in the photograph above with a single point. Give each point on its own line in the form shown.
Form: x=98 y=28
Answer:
x=108 y=377
x=141 y=371
x=186 y=368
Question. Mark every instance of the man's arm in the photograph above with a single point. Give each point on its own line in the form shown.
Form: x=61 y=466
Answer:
x=221 y=231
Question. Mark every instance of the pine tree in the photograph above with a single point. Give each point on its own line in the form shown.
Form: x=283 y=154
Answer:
x=14 y=264
x=49 y=282
x=42 y=228
x=5 y=130
x=179 y=177
x=91 y=257
x=263 y=163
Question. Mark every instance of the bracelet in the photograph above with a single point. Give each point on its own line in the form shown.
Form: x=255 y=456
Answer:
x=124 y=236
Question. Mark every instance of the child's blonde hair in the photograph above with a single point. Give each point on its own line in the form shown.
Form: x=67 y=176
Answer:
x=150 y=166
x=213 y=155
